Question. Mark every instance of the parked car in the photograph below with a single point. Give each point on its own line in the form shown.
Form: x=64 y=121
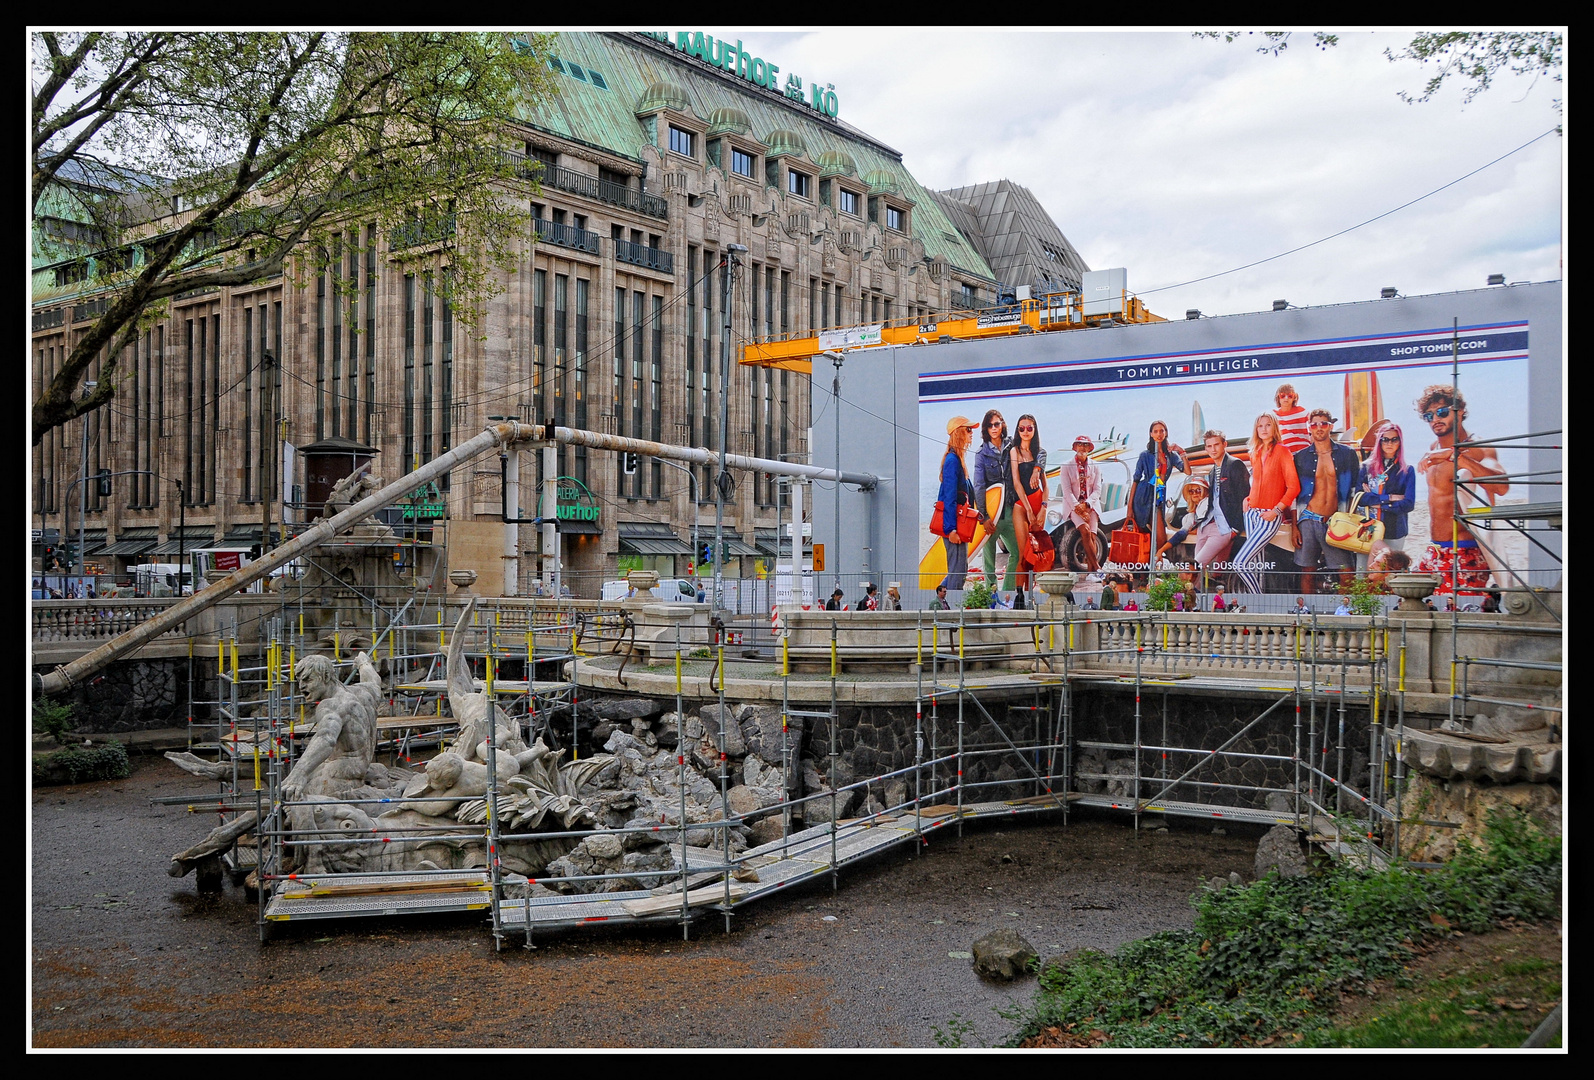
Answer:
x=669 y=590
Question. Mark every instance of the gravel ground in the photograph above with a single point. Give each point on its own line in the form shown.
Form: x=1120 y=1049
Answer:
x=123 y=955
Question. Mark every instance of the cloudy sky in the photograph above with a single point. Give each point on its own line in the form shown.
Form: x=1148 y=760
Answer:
x=1181 y=158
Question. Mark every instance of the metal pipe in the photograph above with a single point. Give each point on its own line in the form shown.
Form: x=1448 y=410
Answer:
x=698 y=455
x=68 y=675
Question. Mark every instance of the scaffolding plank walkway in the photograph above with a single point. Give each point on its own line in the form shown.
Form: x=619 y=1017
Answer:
x=1185 y=809
x=343 y=896
x=759 y=872
x=777 y=865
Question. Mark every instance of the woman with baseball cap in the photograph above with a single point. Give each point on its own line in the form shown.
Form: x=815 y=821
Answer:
x=955 y=489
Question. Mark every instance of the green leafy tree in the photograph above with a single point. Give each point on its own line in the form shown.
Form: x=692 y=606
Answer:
x=204 y=160
x=1474 y=57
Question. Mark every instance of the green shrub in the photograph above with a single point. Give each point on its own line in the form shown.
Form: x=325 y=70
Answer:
x=75 y=764
x=1159 y=594
x=1363 y=597
x=976 y=596
x=52 y=718
x=1264 y=958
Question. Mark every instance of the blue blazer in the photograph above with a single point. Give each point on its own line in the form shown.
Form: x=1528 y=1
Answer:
x=1396 y=500
x=1145 y=471
x=955 y=488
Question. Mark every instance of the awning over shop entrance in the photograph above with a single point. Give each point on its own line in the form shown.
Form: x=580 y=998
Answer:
x=651 y=538
x=771 y=544
x=193 y=536
x=131 y=543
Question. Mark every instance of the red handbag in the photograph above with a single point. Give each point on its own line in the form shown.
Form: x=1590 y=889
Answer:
x=1042 y=553
x=968 y=521
x=1130 y=547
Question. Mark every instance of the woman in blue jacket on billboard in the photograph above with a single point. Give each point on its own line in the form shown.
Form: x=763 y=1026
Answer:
x=955 y=489
x=1389 y=485
x=1148 y=489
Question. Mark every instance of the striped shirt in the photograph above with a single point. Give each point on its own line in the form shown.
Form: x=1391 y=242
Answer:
x=1293 y=433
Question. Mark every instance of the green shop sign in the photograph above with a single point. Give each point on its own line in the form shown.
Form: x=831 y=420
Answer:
x=425 y=503
x=577 y=503
x=744 y=65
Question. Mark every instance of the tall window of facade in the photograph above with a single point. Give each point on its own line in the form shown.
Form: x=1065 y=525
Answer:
x=247 y=492
x=411 y=462
x=320 y=354
x=618 y=406
x=445 y=361
x=335 y=333
x=638 y=327
x=370 y=333
x=691 y=346
x=580 y=390
x=656 y=391
x=539 y=346
x=428 y=401
x=561 y=361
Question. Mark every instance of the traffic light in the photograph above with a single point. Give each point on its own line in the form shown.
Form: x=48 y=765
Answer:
x=706 y=553
x=103 y=483
x=630 y=462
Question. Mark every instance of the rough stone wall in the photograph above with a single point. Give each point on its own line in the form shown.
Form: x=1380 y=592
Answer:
x=1205 y=724
x=1466 y=803
x=132 y=695
x=874 y=740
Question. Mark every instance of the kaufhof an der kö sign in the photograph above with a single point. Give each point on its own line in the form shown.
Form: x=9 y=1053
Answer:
x=755 y=69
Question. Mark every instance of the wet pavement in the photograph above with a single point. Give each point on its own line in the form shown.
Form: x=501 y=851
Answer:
x=123 y=955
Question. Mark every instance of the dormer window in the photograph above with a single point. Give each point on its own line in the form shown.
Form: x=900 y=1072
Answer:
x=683 y=142
x=896 y=219
x=799 y=183
x=847 y=202
x=741 y=163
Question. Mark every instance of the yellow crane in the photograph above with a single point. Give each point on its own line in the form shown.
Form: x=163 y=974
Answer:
x=1041 y=314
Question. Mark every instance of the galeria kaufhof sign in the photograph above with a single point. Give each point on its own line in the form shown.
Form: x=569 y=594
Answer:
x=755 y=69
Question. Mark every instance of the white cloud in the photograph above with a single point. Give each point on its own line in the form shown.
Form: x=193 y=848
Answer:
x=1179 y=158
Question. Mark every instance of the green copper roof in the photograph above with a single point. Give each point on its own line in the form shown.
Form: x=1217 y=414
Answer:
x=604 y=79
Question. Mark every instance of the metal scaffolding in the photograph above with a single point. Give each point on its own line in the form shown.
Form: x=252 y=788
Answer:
x=996 y=732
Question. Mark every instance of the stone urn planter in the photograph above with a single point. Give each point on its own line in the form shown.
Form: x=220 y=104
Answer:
x=643 y=581
x=1412 y=589
x=1056 y=583
x=462 y=579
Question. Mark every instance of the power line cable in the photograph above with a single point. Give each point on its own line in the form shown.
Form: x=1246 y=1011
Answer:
x=1353 y=228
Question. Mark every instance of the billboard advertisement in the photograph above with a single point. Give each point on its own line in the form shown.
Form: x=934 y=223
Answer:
x=1099 y=472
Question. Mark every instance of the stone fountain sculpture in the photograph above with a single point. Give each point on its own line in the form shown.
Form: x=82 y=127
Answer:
x=330 y=790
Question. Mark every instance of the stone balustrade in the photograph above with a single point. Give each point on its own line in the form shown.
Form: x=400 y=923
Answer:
x=1233 y=646
x=1514 y=657
x=94 y=622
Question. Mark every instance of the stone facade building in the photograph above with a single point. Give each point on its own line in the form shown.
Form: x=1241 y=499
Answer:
x=655 y=156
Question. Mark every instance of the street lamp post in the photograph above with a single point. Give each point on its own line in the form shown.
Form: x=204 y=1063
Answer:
x=723 y=480
x=835 y=389
x=83 y=495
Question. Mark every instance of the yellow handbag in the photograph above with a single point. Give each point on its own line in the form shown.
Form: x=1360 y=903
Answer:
x=1349 y=530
